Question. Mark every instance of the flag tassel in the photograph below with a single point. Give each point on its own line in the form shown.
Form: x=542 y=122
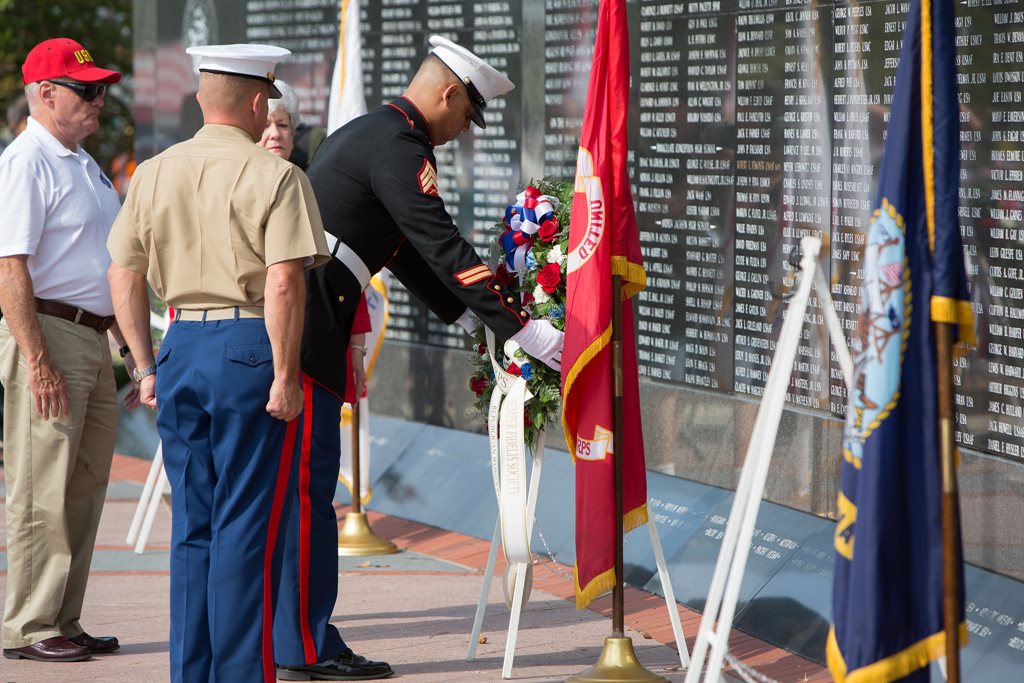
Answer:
x=944 y=334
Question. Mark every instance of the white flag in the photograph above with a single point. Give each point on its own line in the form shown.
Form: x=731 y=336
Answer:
x=347 y=99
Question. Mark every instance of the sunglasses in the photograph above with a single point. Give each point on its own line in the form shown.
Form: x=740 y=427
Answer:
x=87 y=91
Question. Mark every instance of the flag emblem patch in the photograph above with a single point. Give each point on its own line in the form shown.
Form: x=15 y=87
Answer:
x=882 y=331
x=428 y=179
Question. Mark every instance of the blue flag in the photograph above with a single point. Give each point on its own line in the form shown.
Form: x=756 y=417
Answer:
x=888 y=585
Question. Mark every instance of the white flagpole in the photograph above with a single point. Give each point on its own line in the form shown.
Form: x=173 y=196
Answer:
x=140 y=510
x=716 y=623
x=481 y=606
x=670 y=594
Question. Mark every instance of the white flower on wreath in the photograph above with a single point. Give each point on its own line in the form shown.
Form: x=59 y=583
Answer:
x=555 y=254
x=540 y=296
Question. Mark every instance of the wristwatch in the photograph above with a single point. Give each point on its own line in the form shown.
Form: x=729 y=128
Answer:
x=139 y=375
x=124 y=350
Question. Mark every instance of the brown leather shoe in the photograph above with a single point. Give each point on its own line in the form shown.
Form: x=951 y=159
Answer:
x=56 y=649
x=97 y=646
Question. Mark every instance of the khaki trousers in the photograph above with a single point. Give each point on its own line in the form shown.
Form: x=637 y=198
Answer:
x=56 y=472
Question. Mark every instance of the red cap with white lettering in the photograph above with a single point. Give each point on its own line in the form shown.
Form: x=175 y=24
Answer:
x=64 y=58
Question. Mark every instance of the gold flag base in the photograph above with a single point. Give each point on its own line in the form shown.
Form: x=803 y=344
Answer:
x=617 y=664
x=356 y=538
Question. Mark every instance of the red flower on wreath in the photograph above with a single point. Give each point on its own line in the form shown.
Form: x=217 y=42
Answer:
x=549 y=277
x=478 y=385
x=528 y=298
x=502 y=275
x=548 y=230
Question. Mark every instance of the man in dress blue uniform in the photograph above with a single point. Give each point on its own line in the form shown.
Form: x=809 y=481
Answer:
x=376 y=183
x=224 y=230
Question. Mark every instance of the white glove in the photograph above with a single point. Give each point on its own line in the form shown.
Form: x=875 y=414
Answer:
x=541 y=340
x=468 y=321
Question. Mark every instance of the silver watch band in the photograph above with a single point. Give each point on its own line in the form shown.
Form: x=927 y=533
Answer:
x=139 y=375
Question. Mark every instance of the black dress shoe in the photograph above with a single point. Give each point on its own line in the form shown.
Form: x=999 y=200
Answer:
x=97 y=646
x=56 y=649
x=347 y=666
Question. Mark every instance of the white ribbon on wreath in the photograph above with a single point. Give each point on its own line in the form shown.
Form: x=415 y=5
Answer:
x=506 y=432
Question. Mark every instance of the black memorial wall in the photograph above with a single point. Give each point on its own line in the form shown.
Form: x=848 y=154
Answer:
x=478 y=174
x=752 y=124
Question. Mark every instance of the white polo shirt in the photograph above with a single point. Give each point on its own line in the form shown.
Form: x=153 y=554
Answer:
x=58 y=209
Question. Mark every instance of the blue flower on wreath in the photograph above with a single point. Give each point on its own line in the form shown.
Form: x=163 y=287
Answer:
x=531 y=260
x=527 y=370
x=557 y=311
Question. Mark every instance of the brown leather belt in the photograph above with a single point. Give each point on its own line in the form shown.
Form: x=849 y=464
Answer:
x=76 y=315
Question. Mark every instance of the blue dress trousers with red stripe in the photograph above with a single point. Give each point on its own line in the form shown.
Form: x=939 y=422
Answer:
x=309 y=532
x=228 y=462
x=308 y=587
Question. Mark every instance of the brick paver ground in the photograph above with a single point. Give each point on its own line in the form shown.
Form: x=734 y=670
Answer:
x=414 y=610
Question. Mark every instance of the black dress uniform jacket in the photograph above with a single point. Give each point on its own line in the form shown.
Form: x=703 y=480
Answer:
x=375 y=180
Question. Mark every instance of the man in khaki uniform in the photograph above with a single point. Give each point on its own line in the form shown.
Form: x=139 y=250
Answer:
x=60 y=397
x=223 y=230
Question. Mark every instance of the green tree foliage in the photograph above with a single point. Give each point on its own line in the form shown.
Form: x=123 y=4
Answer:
x=104 y=27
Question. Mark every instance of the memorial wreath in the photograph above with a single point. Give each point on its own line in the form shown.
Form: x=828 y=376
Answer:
x=530 y=251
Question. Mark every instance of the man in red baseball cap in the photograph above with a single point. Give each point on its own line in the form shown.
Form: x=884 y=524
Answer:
x=60 y=401
x=63 y=64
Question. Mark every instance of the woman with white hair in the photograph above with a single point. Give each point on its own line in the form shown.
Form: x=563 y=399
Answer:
x=282 y=119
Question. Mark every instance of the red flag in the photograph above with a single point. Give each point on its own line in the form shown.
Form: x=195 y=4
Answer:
x=603 y=241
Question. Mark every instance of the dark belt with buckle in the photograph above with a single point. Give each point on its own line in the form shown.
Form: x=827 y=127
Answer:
x=76 y=315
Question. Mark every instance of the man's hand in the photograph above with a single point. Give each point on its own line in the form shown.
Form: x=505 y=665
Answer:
x=17 y=300
x=131 y=398
x=468 y=321
x=146 y=393
x=285 y=400
x=131 y=306
x=540 y=339
x=284 y=295
x=359 y=370
x=50 y=390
